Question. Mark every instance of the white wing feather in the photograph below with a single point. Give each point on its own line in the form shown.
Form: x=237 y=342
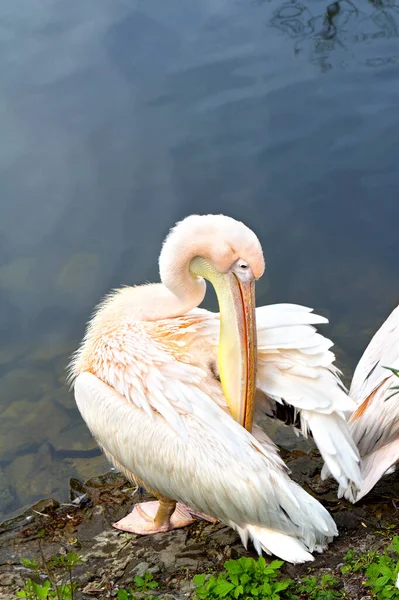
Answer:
x=295 y=366
x=382 y=351
x=375 y=424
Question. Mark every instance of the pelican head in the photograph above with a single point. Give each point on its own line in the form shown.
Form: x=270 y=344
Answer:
x=229 y=255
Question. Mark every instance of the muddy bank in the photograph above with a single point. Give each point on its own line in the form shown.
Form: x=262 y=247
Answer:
x=112 y=558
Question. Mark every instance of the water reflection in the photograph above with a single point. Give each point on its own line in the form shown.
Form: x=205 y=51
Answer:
x=120 y=118
x=330 y=37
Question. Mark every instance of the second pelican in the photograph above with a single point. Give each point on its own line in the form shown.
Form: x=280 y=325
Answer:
x=374 y=425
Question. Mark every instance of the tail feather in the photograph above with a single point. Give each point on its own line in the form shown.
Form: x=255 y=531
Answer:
x=374 y=466
x=336 y=446
x=312 y=528
x=273 y=542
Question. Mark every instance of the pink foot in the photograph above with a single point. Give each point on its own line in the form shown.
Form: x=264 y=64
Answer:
x=141 y=519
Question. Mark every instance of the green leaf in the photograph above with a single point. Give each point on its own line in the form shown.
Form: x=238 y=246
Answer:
x=152 y=585
x=385 y=570
x=234 y=567
x=198 y=579
x=248 y=564
x=41 y=591
x=74 y=559
x=394 y=371
x=223 y=588
x=266 y=588
x=262 y=562
x=373 y=571
x=276 y=564
x=381 y=582
x=238 y=591
x=65 y=592
x=30 y=564
x=282 y=585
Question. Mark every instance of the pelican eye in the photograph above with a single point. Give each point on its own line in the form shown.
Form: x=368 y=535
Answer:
x=242 y=270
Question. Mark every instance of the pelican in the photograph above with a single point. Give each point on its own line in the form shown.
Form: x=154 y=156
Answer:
x=375 y=423
x=167 y=390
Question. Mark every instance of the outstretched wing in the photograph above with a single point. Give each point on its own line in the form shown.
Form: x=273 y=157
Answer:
x=298 y=379
x=296 y=369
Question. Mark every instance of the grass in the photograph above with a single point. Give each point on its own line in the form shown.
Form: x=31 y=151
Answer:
x=53 y=588
x=242 y=579
x=142 y=584
x=381 y=570
x=325 y=588
x=246 y=578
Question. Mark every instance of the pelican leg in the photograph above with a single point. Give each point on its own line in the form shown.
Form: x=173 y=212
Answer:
x=155 y=517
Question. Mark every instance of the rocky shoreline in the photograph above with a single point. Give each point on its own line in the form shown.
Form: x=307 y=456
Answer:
x=112 y=558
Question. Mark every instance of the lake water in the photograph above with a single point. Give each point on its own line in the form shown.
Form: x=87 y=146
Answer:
x=119 y=117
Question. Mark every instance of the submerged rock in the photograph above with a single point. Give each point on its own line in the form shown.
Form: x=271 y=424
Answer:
x=20 y=275
x=79 y=276
x=75 y=437
x=13 y=351
x=23 y=383
x=35 y=475
x=6 y=495
x=26 y=424
x=51 y=350
x=88 y=467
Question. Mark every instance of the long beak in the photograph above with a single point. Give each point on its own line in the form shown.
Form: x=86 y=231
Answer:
x=237 y=347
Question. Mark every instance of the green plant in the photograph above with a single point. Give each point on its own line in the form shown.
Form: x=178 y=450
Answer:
x=125 y=595
x=145 y=583
x=50 y=589
x=129 y=595
x=324 y=589
x=45 y=591
x=355 y=562
x=382 y=575
x=142 y=584
x=381 y=570
x=244 y=578
x=395 y=388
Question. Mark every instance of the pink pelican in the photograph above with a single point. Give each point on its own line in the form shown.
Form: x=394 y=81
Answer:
x=168 y=391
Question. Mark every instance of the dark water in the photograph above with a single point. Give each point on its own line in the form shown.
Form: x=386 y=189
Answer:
x=118 y=118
